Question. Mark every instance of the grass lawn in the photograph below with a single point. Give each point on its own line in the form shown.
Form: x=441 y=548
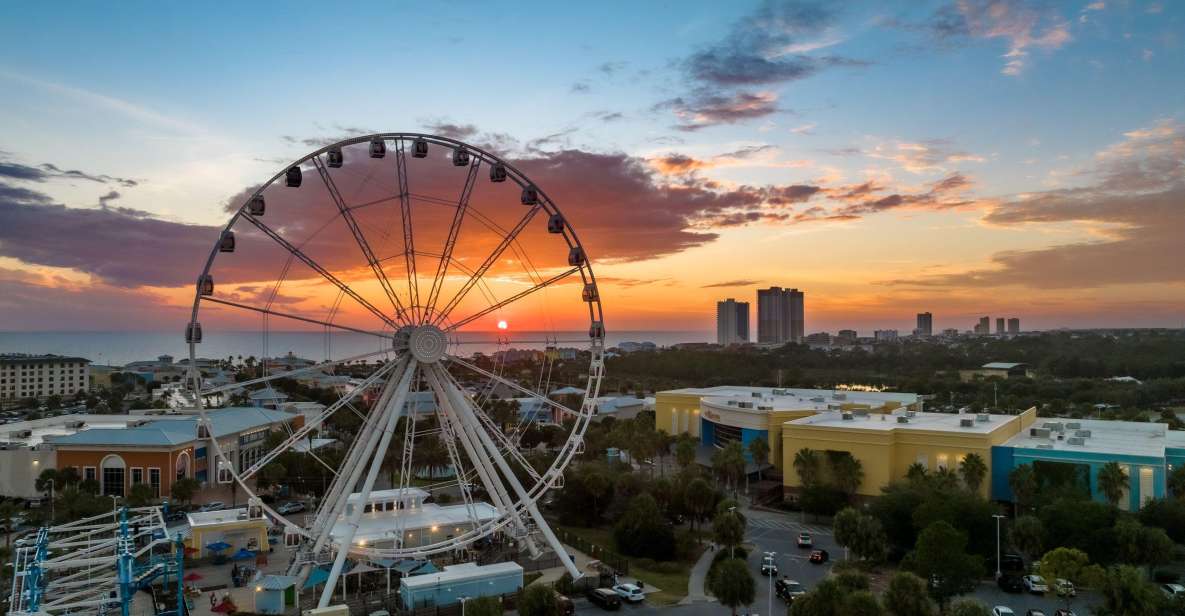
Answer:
x=670 y=577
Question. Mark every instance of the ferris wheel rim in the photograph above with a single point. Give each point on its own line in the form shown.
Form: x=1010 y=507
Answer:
x=583 y=413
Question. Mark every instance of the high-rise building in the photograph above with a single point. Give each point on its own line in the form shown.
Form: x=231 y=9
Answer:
x=39 y=376
x=848 y=335
x=780 y=315
x=925 y=324
x=732 y=322
x=999 y=326
x=1013 y=326
x=885 y=335
x=984 y=327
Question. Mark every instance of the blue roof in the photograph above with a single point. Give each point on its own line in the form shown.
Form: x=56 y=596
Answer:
x=169 y=432
x=277 y=582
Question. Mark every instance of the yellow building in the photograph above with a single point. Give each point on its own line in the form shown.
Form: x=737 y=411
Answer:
x=719 y=415
x=886 y=445
x=244 y=528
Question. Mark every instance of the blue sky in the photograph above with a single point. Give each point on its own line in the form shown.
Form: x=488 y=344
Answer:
x=1015 y=100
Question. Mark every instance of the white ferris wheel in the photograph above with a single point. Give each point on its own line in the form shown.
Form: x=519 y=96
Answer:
x=405 y=244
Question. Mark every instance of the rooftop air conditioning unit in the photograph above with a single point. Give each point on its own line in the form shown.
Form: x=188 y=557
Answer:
x=1054 y=426
x=745 y=405
x=779 y=392
x=839 y=395
x=966 y=423
x=911 y=413
x=1039 y=432
x=21 y=434
x=1074 y=425
x=764 y=407
x=1076 y=440
x=983 y=417
x=1045 y=446
x=846 y=416
x=902 y=419
x=817 y=399
x=1082 y=433
x=755 y=394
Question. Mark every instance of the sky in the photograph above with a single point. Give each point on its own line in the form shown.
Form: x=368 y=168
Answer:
x=1005 y=158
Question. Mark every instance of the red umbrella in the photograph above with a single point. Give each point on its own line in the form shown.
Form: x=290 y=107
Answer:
x=225 y=606
x=189 y=550
x=192 y=576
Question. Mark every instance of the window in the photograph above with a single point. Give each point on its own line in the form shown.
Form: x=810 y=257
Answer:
x=112 y=481
x=154 y=481
x=200 y=453
x=137 y=475
x=89 y=473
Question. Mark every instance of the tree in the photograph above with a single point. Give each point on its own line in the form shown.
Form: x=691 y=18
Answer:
x=906 y=596
x=140 y=495
x=1176 y=482
x=1126 y=592
x=1027 y=535
x=843 y=527
x=644 y=531
x=974 y=471
x=48 y=477
x=916 y=473
x=733 y=585
x=483 y=606
x=968 y=607
x=728 y=530
x=538 y=600
x=1112 y=482
x=685 y=451
x=1142 y=545
x=1023 y=482
x=870 y=542
x=700 y=499
x=729 y=463
x=1070 y=564
x=808 y=464
x=184 y=490
x=759 y=449
x=941 y=556
x=846 y=471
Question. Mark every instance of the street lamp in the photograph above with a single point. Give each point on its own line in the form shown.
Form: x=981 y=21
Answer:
x=52 y=517
x=998 y=518
x=463 y=600
x=770 y=555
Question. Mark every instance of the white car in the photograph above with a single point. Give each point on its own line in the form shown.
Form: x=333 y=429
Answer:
x=629 y=592
x=213 y=506
x=1000 y=610
x=1172 y=590
x=1035 y=584
x=768 y=567
x=290 y=507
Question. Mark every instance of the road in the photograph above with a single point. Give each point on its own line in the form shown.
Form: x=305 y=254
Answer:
x=778 y=532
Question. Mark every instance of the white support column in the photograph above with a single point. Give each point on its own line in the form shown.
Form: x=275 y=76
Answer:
x=467 y=417
x=488 y=476
x=391 y=413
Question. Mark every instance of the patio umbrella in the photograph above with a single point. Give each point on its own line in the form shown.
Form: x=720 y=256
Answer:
x=192 y=576
x=189 y=550
x=243 y=554
x=217 y=546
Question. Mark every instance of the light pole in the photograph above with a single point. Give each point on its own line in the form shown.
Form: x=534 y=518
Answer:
x=998 y=518
x=114 y=504
x=52 y=510
x=463 y=600
x=770 y=587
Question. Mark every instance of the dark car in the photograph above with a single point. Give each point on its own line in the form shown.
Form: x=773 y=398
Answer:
x=567 y=608
x=1064 y=611
x=1011 y=583
x=788 y=590
x=605 y=598
x=819 y=557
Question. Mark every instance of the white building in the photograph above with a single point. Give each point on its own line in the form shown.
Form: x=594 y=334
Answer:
x=40 y=376
x=387 y=514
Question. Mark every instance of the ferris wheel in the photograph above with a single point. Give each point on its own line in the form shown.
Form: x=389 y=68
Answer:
x=400 y=250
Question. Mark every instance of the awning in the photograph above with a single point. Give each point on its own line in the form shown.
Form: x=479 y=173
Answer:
x=218 y=546
x=427 y=568
x=316 y=576
x=243 y=554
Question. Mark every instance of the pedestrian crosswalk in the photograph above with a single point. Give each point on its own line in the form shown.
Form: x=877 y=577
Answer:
x=788 y=525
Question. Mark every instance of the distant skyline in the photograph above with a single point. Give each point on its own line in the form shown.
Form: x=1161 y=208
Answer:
x=968 y=158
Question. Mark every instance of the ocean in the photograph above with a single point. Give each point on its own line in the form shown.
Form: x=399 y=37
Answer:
x=118 y=348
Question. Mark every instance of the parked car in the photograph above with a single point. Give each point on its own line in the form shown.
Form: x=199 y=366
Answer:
x=819 y=557
x=1035 y=613
x=1064 y=588
x=567 y=607
x=1001 y=610
x=1035 y=584
x=788 y=590
x=805 y=540
x=175 y=515
x=1064 y=611
x=380 y=613
x=1011 y=583
x=629 y=592
x=605 y=598
x=212 y=506
x=1172 y=590
x=290 y=507
x=769 y=567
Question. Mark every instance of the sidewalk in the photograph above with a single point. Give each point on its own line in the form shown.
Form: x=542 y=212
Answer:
x=696 y=591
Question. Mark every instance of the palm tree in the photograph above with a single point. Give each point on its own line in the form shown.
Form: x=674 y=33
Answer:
x=847 y=472
x=1023 y=482
x=759 y=449
x=974 y=470
x=809 y=466
x=1112 y=482
x=916 y=473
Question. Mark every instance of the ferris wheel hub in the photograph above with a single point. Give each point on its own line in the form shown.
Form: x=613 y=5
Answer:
x=427 y=343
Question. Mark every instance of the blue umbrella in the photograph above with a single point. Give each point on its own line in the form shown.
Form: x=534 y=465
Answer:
x=217 y=546
x=316 y=576
x=243 y=554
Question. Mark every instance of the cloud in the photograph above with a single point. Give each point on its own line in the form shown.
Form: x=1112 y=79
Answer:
x=611 y=68
x=104 y=200
x=45 y=172
x=1134 y=206
x=804 y=129
x=608 y=116
x=732 y=283
x=703 y=109
x=581 y=87
x=763 y=155
x=1024 y=25
x=460 y=132
x=923 y=156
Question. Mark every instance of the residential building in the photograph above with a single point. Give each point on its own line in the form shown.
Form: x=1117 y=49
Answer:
x=732 y=322
x=885 y=335
x=1013 y=326
x=999 y=326
x=984 y=327
x=846 y=336
x=925 y=326
x=819 y=339
x=950 y=332
x=41 y=376
x=780 y=315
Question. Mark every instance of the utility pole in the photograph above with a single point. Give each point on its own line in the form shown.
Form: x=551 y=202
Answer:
x=771 y=583
x=998 y=518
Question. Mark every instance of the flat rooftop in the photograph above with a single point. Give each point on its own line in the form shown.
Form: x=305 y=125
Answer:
x=461 y=573
x=153 y=430
x=198 y=519
x=384 y=525
x=785 y=398
x=1132 y=438
x=933 y=422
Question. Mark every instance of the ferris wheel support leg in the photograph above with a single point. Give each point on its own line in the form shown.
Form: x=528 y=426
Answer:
x=391 y=414
x=468 y=418
x=487 y=475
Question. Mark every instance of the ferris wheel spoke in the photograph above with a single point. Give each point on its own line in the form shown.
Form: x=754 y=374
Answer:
x=511 y=384
x=288 y=373
x=300 y=434
x=326 y=274
x=409 y=245
x=489 y=261
x=276 y=313
x=363 y=245
x=454 y=231
x=503 y=442
x=510 y=300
